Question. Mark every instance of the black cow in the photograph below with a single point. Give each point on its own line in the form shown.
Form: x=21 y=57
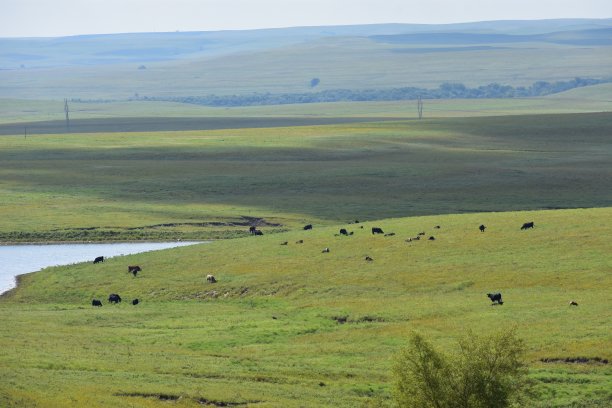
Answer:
x=482 y=228
x=252 y=229
x=98 y=259
x=376 y=230
x=527 y=225
x=432 y=238
x=96 y=302
x=135 y=302
x=258 y=232
x=134 y=269
x=495 y=297
x=343 y=231
x=307 y=227
x=369 y=259
x=114 y=298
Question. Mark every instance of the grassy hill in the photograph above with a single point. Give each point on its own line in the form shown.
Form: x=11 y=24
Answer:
x=212 y=183
x=285 y=60
x=287 y=325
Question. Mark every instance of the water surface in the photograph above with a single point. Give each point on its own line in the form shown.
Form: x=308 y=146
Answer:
x=19 y=259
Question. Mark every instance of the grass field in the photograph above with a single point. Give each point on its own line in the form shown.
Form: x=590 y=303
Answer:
x=589 y=99
x=269 y=333
x=289 y=325
x=211 y=183
x=345 y=63
x=285 y=60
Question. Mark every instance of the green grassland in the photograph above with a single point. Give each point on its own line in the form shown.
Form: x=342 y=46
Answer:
x=269 y=333
x=212 y=183
x=589 y=99
x=120 y=67
x=288 y=325
x=355 y=63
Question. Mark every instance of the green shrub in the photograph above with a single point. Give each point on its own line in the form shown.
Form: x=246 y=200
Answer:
x=486 y=372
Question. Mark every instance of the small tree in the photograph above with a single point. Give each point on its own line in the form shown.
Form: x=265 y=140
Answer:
x=486 y=372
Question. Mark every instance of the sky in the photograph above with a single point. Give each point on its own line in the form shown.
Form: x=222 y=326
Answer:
x=53 y=18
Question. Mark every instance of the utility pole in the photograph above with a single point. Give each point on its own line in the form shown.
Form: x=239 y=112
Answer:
x=420 y=107
x=66 y=110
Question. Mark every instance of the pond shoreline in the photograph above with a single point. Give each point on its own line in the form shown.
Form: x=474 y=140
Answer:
x=25 y=258
x=93 y=242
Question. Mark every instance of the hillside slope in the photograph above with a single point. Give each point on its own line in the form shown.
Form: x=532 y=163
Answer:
x=288 y=325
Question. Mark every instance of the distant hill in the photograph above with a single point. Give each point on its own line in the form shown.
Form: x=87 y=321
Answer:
x=286 y=60
x=142 y=47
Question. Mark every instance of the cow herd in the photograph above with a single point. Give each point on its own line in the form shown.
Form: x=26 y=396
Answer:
x=496 y=298
x=114 y=298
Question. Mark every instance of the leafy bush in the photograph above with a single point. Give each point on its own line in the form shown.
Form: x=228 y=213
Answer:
x=486 y=372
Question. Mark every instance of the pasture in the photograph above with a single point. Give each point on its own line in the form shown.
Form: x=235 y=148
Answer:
x=20 y=112
x=214 y=183
x=290 y=326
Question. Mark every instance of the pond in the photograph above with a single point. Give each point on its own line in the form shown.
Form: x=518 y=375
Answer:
x=19 y=259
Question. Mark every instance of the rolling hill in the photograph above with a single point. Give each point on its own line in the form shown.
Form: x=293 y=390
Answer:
x=285 y=60
x=289 y=326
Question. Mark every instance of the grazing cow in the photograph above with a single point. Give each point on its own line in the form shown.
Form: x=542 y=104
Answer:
x=258 y=232
x=326 y=250
x=573 y=303
x=343 y=231
x=96 y=302
x=135 y=302
x=252 y=229
x=421 y=233
x=284 y=243
x=437 y=227
x=367 y=258
x=211 y=279
x=482 y=228
x=527 y=225
x=134 y=269
x=376 y=230
x=409 y=240
x=307 y=227
x=495 y=297
x=114 y=298
x=98 y=259
x=301 y=241
x=432 y=238
x=356 y=221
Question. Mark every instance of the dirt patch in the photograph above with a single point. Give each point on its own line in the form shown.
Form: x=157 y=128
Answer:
x=170 y=397
x=362 y=319
x=161 y=397
x=245 y=221
x=575 y=360
x=214 y=403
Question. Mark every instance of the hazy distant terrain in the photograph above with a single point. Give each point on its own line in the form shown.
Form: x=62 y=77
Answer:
x=277 y=61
